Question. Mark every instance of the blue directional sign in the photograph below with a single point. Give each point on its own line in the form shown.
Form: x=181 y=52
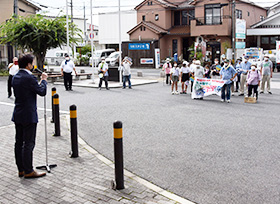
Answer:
x=139 y=46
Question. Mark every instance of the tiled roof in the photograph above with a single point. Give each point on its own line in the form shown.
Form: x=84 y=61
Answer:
x=156 y=29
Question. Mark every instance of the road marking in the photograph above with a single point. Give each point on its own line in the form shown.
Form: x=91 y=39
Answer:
x=38 y=108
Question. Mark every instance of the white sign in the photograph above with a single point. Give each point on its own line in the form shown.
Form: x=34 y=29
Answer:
x=157 y=58
x=240 y=29
x=81 y=44
x=277 y=51
x=146 y=61
x=206 y=87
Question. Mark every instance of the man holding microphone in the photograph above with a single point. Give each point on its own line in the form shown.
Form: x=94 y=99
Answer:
x=26 y=88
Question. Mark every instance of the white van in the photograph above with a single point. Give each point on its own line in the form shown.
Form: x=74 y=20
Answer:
x=113 y=59
x=98 y=54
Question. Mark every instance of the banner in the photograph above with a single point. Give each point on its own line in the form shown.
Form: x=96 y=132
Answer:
x=277 y=51
x=206 y=87
x=157 y=58
x=240 y=29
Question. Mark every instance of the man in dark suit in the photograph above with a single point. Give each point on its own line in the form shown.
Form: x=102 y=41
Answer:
x=25 y=117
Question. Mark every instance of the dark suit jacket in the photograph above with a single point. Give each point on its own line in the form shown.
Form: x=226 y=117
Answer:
x=26 y=88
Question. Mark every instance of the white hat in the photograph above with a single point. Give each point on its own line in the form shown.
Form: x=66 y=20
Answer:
x=102 y=58
x=167 y=60
x=186 y=62
x=197 y=62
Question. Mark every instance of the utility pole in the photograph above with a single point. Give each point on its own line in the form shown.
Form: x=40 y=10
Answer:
x=85 y=25
x=72 y=28
x=233 y=30
x=120 y=43
x=91 y=43
x=16 y=14
x=67 y=25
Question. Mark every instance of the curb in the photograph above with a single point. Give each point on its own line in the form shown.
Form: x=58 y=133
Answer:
x=131 y=175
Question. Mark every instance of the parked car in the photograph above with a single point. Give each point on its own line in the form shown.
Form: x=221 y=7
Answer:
x=98 y=54
x=113 y=59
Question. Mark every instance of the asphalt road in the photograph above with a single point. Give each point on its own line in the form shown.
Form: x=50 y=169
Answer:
x=204 y=150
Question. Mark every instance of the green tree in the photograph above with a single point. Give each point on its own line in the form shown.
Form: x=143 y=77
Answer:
x=86 y=50
x=36 y=34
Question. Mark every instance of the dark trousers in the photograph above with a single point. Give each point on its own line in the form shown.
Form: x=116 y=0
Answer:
x=250 y=89
x=10 y=85
x=105 y=78
x=226 y=88
x=25 y=143
x=126 y=78
x=168 y=79
x=191 y=86
x=67 y=80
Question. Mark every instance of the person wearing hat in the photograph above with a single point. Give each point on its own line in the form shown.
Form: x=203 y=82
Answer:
x=185 y=77
x=266 y=72
x=253 y=80
x=126 y=64
x=13 y=69
x=103 y=73
x=245 y=68
x=167 y=66
x=228 y=73
x=67 y=67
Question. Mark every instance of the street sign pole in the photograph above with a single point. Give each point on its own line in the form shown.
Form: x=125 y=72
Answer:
x=91 y=42
x=120 y=43
x=67 y=26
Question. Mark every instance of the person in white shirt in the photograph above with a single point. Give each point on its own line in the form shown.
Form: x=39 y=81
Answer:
x=67 y=67
x=174 y=75
x=13 y=69
x=192 y=67
x=185 y=77
x=126 y=64
x=199 y=70
x=103 y=73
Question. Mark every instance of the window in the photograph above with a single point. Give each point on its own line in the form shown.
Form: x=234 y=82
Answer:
x=187 y=16
x=265 y=40
x=261 y=18
x=238 y=14
x=177 y=18
x=142 y=28
x=213 y=14
x=156 y=17
x=143 y=18
x=150 y=3
x=268 y=42
x=248 y=13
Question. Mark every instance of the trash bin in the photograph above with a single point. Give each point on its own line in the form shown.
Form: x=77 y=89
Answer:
x=113 y=74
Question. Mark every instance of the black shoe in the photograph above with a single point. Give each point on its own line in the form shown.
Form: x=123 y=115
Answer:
x=241 y=94
x=123 y=87
x=107 y=88
x=261 y=92
x=269 y=92
x=9 y=96
x=130 y=87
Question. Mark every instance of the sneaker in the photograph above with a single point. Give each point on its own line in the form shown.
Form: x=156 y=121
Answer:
x=99 y=88
x=228 y=101
x=242 y=94
x=269 y=92
x=107 y=88
x=123 y=87
x=130 y=87
x=176 y=92
x=172 y=92
x=222 y=100
x=232 y=94
x=261 y=92
x=181 y=92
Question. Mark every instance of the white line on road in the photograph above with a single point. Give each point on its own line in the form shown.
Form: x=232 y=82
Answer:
x=38 y=108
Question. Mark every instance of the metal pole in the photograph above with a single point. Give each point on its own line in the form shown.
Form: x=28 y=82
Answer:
x=56 y=115
x=74 y=131
x=72 y=31
x=53 y=92
x=67 y=26
x=233 y=30
x=120 y=43
x=16 y=14
x=85 y=24
x=91 y=42
x=118 y=154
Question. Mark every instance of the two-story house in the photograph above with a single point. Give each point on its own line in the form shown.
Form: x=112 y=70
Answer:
x=177 y=24
x=6 y=11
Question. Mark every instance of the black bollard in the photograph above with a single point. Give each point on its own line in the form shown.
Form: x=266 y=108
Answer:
x=74 y=131
x=118 y=151
x=53 y=92
x=56 y=115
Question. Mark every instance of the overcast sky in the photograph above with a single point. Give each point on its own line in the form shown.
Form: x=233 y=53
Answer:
x=58 y=7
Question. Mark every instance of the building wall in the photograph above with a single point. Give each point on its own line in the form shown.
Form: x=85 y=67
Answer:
x=144 y=35
x=109 y=26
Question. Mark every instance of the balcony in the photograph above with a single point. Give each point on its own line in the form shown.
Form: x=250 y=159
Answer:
x=217 y=25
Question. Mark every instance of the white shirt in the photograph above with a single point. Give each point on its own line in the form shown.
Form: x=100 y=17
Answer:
x=185 y=70
x=175 y=71
x=104 y=68
x=68 y=68
x=199 y=72
x=13 y=70
x=192 y=67
x=126 y=68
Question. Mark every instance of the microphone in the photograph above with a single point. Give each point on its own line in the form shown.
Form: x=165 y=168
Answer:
x=37 y=70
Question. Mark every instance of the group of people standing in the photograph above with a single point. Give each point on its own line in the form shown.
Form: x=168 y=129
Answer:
x=236 y=76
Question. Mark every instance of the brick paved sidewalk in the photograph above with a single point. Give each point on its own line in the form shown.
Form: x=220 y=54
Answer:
x=81 y=180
